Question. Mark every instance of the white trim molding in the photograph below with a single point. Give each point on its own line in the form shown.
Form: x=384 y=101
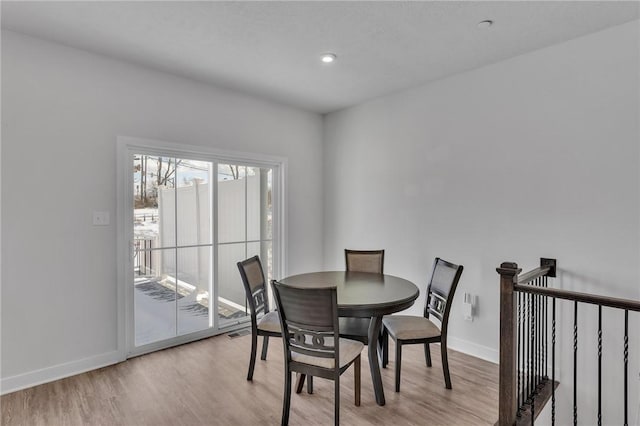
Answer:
x=126 y=147
x=470 y=348
x=57 y=372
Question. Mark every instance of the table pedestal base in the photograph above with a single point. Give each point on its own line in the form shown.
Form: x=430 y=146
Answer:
x=374 y=362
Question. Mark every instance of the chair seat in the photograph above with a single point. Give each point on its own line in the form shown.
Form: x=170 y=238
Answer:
x=406 y=327
x=349 y=350
x=270 y=322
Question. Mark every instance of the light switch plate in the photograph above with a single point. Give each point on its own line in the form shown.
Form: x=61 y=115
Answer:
x=100 y=218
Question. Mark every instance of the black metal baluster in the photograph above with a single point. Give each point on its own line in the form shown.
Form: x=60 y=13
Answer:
x=536 y=370
x=626 y=367
x=534 y=319
x=599 y=365
x=524 y=349
x=539 y=334
x=533 y=353
x=575 y=363
x=530 y=348
x=533 y=403
x=525 y=344
x=553 y=361
x=546 y=337
x=533 y=346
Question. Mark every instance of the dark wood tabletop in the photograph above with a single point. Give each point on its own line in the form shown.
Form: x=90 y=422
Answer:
x=365 y=295
x=362 y=294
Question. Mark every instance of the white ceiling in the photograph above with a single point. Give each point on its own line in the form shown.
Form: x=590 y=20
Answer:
x=271 y=49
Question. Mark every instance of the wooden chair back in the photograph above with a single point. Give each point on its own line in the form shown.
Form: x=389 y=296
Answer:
x=441 y=289
x=365 y=260
x=309 y=317
x=254 y=285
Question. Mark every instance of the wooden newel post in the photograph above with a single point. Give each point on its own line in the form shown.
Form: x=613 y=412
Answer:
x=507 y=404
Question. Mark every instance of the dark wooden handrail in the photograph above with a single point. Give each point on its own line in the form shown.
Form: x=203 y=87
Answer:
x=527 y=277
x=547 y=269
x=611 y=302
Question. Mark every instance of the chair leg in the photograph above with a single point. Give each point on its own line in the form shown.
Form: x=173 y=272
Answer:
x=445 y=364
x=252 y=360
x=336 y=384
x=398 y=363
x=286 y=403
x=265 y=345
x=356 y=379
x=299 y=382
x=427 y=354
x=385 y=347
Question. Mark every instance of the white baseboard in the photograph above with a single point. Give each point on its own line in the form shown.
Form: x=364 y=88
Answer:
x=473 y=349
x=57 y=372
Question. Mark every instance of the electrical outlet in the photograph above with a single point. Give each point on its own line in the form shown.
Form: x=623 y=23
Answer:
x=467 y=306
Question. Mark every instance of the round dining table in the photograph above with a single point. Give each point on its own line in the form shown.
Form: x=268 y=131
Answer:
x=364 y=295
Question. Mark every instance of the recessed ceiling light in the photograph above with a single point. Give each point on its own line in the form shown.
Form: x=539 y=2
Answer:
x=328 y=58
x=485 y=24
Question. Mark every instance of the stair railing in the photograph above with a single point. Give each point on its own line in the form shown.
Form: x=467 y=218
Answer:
x=527 y=324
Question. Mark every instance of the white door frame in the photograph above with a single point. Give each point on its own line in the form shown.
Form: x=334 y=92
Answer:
x=126 y=147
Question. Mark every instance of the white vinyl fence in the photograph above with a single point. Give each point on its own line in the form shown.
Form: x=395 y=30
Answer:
x=239 y=221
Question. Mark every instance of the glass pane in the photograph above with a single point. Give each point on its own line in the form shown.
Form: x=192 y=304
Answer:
x=231 y=203
x=264 y=250
x=154 y=295
x=268 y=203
x=194 y=202
x=145 y=213
x=153 y=196
x=194 y=274
x=258 y=204
x=231 y=294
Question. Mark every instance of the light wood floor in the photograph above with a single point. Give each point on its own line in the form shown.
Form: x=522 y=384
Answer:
x=203 y=383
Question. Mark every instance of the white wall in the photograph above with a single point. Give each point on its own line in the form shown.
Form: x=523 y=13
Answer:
x=536 y=156
x=62 y=111
x=442 y=170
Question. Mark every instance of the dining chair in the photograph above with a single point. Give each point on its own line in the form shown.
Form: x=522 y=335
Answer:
x=364 y=260
x=407 y=330
x=309 y=321
x=267 y=324
x=371 y=261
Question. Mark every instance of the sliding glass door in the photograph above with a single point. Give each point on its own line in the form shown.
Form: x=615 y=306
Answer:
x=192 y=221
x=245 y=229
